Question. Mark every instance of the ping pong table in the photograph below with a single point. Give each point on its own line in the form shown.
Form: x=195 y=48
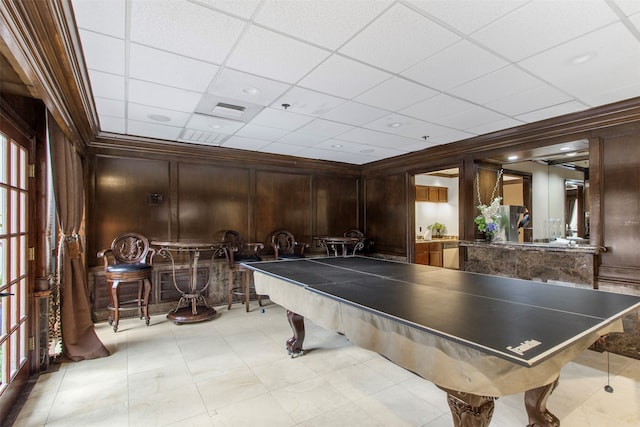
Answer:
x=477 y=337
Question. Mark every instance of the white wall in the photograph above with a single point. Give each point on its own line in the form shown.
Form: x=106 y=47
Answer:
x=446 y=213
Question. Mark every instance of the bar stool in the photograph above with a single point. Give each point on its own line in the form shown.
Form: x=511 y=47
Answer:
x=237 y=251
x=128 y=260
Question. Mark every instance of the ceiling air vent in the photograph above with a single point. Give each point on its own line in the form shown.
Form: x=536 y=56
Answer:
x=228 y=110
x=200 y=137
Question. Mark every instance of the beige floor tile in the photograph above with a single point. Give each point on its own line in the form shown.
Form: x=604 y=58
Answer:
x=308 y=399
x=262 y=410
x=233 y=387
x=165 y=407
x=234 y=371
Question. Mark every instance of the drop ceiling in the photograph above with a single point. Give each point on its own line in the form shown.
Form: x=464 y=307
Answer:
x=352 y=81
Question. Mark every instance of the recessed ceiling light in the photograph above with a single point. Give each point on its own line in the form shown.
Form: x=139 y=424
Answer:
x=215 y=126
x=572 y=154
x=336 y=146
x=394 y=125
x=251 y=90
x=159 y=117
x=514 y=157
x=581 y=59
x=565 y=148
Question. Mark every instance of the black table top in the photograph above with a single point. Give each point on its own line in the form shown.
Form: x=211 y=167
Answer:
x=522 y=321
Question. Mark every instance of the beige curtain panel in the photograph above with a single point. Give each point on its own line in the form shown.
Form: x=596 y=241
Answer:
x=79 y=338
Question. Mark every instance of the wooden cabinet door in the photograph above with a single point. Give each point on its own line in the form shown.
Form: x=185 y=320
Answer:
x=435 y=254
x=443 y=194
x=422 y=253
x=422 y=193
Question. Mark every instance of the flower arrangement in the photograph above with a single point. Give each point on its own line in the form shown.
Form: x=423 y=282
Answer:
x=489 y=221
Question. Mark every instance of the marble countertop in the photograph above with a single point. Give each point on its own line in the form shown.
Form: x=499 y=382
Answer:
x=552 y=247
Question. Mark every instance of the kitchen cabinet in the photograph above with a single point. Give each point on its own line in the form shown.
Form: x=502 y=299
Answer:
x=430 y=193
x=429 y=253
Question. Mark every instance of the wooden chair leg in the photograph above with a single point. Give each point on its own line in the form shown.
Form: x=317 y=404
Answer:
x=230 y=290
x=116 y=306
x=147 y=295
x=141 y=285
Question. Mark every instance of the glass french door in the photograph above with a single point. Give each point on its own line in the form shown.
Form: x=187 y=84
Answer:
x=14 y=162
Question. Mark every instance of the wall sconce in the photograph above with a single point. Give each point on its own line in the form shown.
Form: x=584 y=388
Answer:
x=155 y=199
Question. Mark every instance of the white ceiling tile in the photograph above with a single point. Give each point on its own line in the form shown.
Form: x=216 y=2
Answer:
x=635 y=20
x=467 y=15
x=162 y=96
x=616 y=94
x=453 y=136
x=499 y=84
x=615 y=55
x=110 y=107
x=103 y=53
x=241 y=143
x=213 y=124
x=437 y=107
x=378 y=139
x=406 y=126
x=629 y=7
x=185 y=28
x=563 y=20
x=399 y=39
x=338 y=156
x=343 y=77
x=467 y=119
x=145 y=113
x=396 y=93
x=354 y=113
x=452 y=86
x=284 y=149
x=107 y=85
x=529 y=100
x=556 y=110
x=243 y=9
x=324 y=23
x=454 y=65
x=324 y=128
x=112 y=124
x=261 y=132
x=281 y=119
x=301 y=139
x=234 y=84
x=504 y=123
x=271 y=55
x=153 y=130
x=309 y=102
x=101 y=16
x=169 y=69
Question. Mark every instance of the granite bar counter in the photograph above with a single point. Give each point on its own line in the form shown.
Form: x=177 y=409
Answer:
x=546 y=262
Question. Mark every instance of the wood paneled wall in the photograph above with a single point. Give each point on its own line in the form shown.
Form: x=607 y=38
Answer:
x=200 y=198
x=386 y=212
x=621 y=209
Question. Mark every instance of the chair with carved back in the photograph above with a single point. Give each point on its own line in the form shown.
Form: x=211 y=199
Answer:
x=285 y=245
x=128 y=260
x=237 y=251
x=362 y=244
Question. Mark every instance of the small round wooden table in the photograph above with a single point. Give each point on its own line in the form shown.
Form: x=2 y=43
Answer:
x=192 y=306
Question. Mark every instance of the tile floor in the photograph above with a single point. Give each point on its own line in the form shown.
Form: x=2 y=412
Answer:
x=234 y=371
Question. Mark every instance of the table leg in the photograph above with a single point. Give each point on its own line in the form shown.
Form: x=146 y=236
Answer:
x=469 y=410
x=294 y=344
x=535 y=401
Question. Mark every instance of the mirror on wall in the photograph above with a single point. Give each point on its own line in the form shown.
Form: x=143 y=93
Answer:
x=559 y=195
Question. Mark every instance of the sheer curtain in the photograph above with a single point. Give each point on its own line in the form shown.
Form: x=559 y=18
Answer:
x=79 y=339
